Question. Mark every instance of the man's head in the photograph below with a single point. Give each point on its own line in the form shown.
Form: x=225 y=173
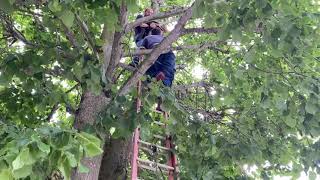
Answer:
x=148 y=12
x=156 y=31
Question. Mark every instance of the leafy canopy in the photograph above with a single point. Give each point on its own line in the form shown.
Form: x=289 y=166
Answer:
x=259 y=105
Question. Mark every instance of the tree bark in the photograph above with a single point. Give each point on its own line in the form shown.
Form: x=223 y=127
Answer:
x=116 y=46
x=115 y=160
x=89 y=108
x=162 y=15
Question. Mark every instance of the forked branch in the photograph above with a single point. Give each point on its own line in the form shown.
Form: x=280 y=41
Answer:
x=163 y=15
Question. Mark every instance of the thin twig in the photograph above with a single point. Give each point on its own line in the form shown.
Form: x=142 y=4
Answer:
x=84 y=28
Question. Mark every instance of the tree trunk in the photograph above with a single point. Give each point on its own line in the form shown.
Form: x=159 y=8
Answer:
x=115 y=159
x=113 y=162
x=89 y=108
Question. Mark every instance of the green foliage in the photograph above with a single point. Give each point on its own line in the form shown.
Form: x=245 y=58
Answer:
x=36 y=153
x=67 y=17
x=260 y=107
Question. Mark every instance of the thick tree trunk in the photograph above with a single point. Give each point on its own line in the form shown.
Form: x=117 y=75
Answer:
x=115 y=159
x=90 y=106
x=113 y=162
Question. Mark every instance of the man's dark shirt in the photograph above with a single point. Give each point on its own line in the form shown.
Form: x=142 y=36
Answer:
x=141 y=32
x=150 y=41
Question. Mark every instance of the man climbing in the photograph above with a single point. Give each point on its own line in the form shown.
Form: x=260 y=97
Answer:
x=164 y=67
x=144 y=30
x=148 y=35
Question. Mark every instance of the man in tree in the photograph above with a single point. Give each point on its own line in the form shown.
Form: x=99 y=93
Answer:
x=164 y=68
x=144 y=30
x=258 y=108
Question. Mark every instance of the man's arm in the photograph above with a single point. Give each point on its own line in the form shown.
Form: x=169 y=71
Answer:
x=139 y=31
x=155 y=24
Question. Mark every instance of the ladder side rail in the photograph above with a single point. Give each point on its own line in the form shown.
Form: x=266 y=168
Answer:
x=136 y=136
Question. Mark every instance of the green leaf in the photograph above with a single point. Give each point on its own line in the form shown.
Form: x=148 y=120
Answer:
x=6 y=174
x=67 y=17
x=312 y=175
x=281 y=105
x=225 y=33
x=95 y=74
x=261 y=3
x=71 y=158
x=132 y=5
x=94 y=86
x=92 y=150
x=250 y=56
x=65 y=168
x=208 y=176
x=6 y=6
x=43 y=147
x=91 y=144
x=23 y=172
x=311 y=108
x=54 y=6
x=290 y=121
x=24 y=158
x=3 y=165
x=83 y=169
x=61 y=140
x=12 y=1
x=236 y=35
x=198 y=9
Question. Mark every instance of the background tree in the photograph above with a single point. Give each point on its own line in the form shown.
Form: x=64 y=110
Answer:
x=67 y=95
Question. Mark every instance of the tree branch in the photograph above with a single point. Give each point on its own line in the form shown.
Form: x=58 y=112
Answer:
x=70 y=36
x=130 y=68
x=163 y=15
x=84 y=28
x=173 y=36
x=53 y=110
x=127 y=67
x=198 y=47
x=68 y=106
x=216 y=116
x=116 y=46
x=13 y=31
x=192 y=85
x=201 y=30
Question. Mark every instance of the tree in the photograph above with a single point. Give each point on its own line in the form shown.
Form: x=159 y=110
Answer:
x=256 y=105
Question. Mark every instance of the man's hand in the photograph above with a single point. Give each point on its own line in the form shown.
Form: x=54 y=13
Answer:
x=144 y=25
x=153 y=25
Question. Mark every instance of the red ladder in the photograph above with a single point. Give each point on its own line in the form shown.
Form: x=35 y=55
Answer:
x=138 y=163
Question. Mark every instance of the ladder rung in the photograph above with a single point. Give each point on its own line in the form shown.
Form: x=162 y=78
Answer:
x=149 y=144
x=159 y=123
x=163 y=166
x=157 y=111
x=146 y=149
x=159 y=137
x=150 y=151
x=151 y=168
